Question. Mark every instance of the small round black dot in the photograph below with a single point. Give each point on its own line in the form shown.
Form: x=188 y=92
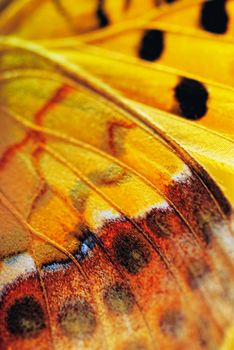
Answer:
x=77 y=318
x=152 y=45
x=131 y=252
x=119 y=298
x=25 y=318
x=171 y=323
x=192 y=97
x=214 y=18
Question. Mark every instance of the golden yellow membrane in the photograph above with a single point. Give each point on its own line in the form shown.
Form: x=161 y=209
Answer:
x=77 y=192
x=24 y=197
x=113 y=134
x=24 y=18
x=14 y=238
x=188 y=20
x=228 y=343
x=154 y=85
x=112 y=131
x=176 y=51
x=219 y=161
x=67 y=18
x=212 y=151
x=157 y=88
x=127 y=38
x=108 y=131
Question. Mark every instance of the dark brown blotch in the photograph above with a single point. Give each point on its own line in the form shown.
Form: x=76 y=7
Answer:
x=119 y=299
x=196 y=273
x=171 y=323
x=25 y=318
x=131 y=252
x=77 y=318
x=157 y=222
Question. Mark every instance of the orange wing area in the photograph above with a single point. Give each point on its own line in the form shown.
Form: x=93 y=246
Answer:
x=118 y=239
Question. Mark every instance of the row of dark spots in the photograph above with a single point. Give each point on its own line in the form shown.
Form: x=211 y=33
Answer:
x=77 y=319
x=190 y=94
x=133 y=254
x=213 y=19
x=26 y=319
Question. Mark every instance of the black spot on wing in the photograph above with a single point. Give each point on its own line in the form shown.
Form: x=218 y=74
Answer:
x=152 y=45
x=131 y=252
x=77 y=318
x=119 y=299
x=214 y=17
x=192 y=97
x=25 y=318
x=101 y=15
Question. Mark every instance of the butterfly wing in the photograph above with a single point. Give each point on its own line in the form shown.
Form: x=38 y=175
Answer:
x=106 y=210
